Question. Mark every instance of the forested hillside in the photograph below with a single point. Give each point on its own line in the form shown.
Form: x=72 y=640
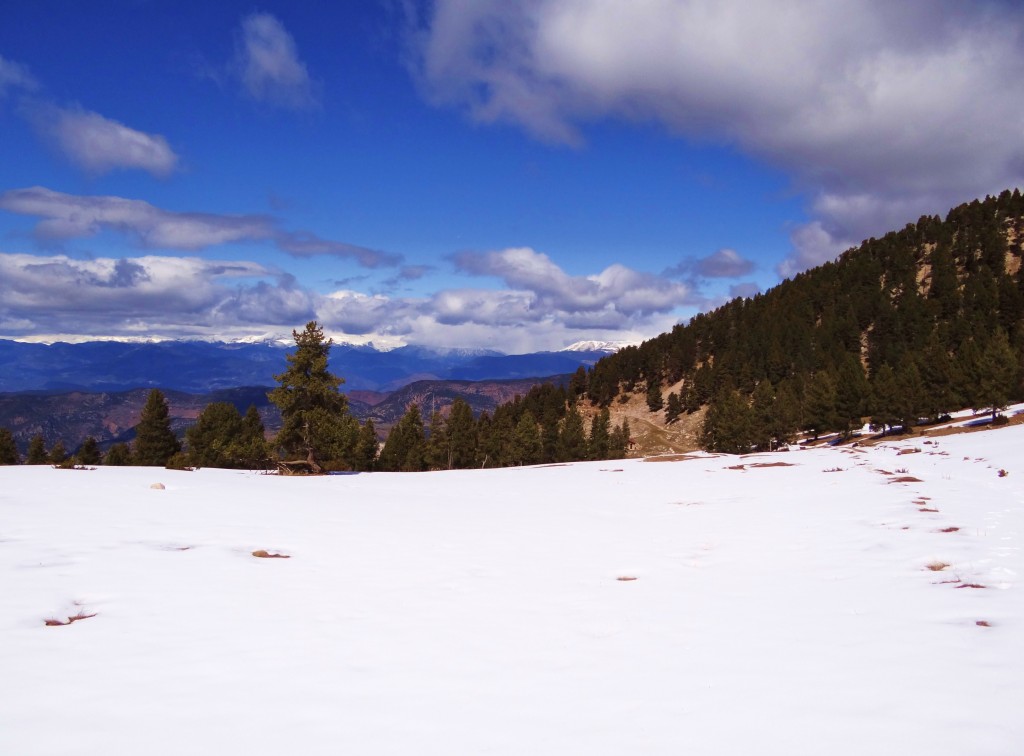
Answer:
x=900 y=329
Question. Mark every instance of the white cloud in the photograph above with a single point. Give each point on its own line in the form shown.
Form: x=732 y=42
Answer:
x=15 y=76
x=920 y=104
x=99 y=145
x=267 y=63
x=618 y=288
x=69 y=216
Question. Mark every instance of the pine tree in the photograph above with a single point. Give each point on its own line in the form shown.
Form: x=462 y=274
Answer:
x=37 y=454
x=727 y=426
x=673 y=409
x=460 y=430
x=89 y=452
x=572 y=443
x=655 y=402
x=313 y=411
x=251 y=447
x=155 y=444
x=997 y=373
x=820 y=404
x=58 y=454
x=909 y=393
x=405 y=447
x=526 y=444
x=618 y=444
x=213 y=438
x=885 y=410
x=8 y=449
x=436 y=453
x=366 y=447
x=549 y=435
x=599 y=440
x=119 y=455
x=852 y=391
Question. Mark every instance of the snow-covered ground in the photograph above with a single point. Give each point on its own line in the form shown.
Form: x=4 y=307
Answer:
x=772 y=609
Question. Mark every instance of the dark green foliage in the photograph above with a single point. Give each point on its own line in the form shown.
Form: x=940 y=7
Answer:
x=727 y=425
x=58 y=454
x=997 y=373
x=526 y=444
x=119 y=455
x=37 y=454
x=820 y=404
x=315 y=424
x=154 y=441
x=365 y=457
x=852 y=393
x=599 y=440
x=8 y=450
x=673 y=408
x=460 y=434
x=618 y=444
x=405 y=448
x=89 y=452
x=223 y=438
x=885 y=405
x=655 y=402
x=572 y=443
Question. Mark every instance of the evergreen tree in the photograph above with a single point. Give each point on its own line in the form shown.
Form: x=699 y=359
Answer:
x=885 y=409
x=436 y=452
x=852 y=391
x=938 y=395
x=313 y=412
x=119 y=455
x=58 y=454
x=405 y=447
x=89 y=452
x=727 y=426
x=366 y=447
x=655 y=402
x=8 y=449
x=526 y=443
x=673 y=409
x=155 y=444
x=997 y=373
x=572 y=443
x=251 y=448
x=599 y=440
x=37 y=454
x=618 y=444
x=549 y=435
x=214 y=437
x=909 y=393
x=820 y=404
x=460 y=430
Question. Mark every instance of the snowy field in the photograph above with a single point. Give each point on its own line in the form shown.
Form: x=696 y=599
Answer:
x=824 y=601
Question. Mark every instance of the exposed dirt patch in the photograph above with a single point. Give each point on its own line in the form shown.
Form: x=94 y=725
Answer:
x=906 y=479
x=54 y=622
x=927 y=509
x=936 y=566
x=950 y=529
x=673 y=458
x=773 y=464
x=625 y=578
x=971 y=585
x=264 y=554
x=983 y=623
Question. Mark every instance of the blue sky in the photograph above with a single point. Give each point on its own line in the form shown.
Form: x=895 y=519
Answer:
x=486 y=173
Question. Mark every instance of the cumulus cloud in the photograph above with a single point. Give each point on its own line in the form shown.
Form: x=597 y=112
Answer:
x=915 y=104
x=617 y=288
x=69 y=216
x=15 y=76
x=268 y=65
x=174 y=297
x=100 y=145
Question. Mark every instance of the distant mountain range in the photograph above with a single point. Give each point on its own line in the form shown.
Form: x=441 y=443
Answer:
x=201 y=367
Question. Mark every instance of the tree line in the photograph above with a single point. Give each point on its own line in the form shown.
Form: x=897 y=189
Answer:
x=319 y=434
